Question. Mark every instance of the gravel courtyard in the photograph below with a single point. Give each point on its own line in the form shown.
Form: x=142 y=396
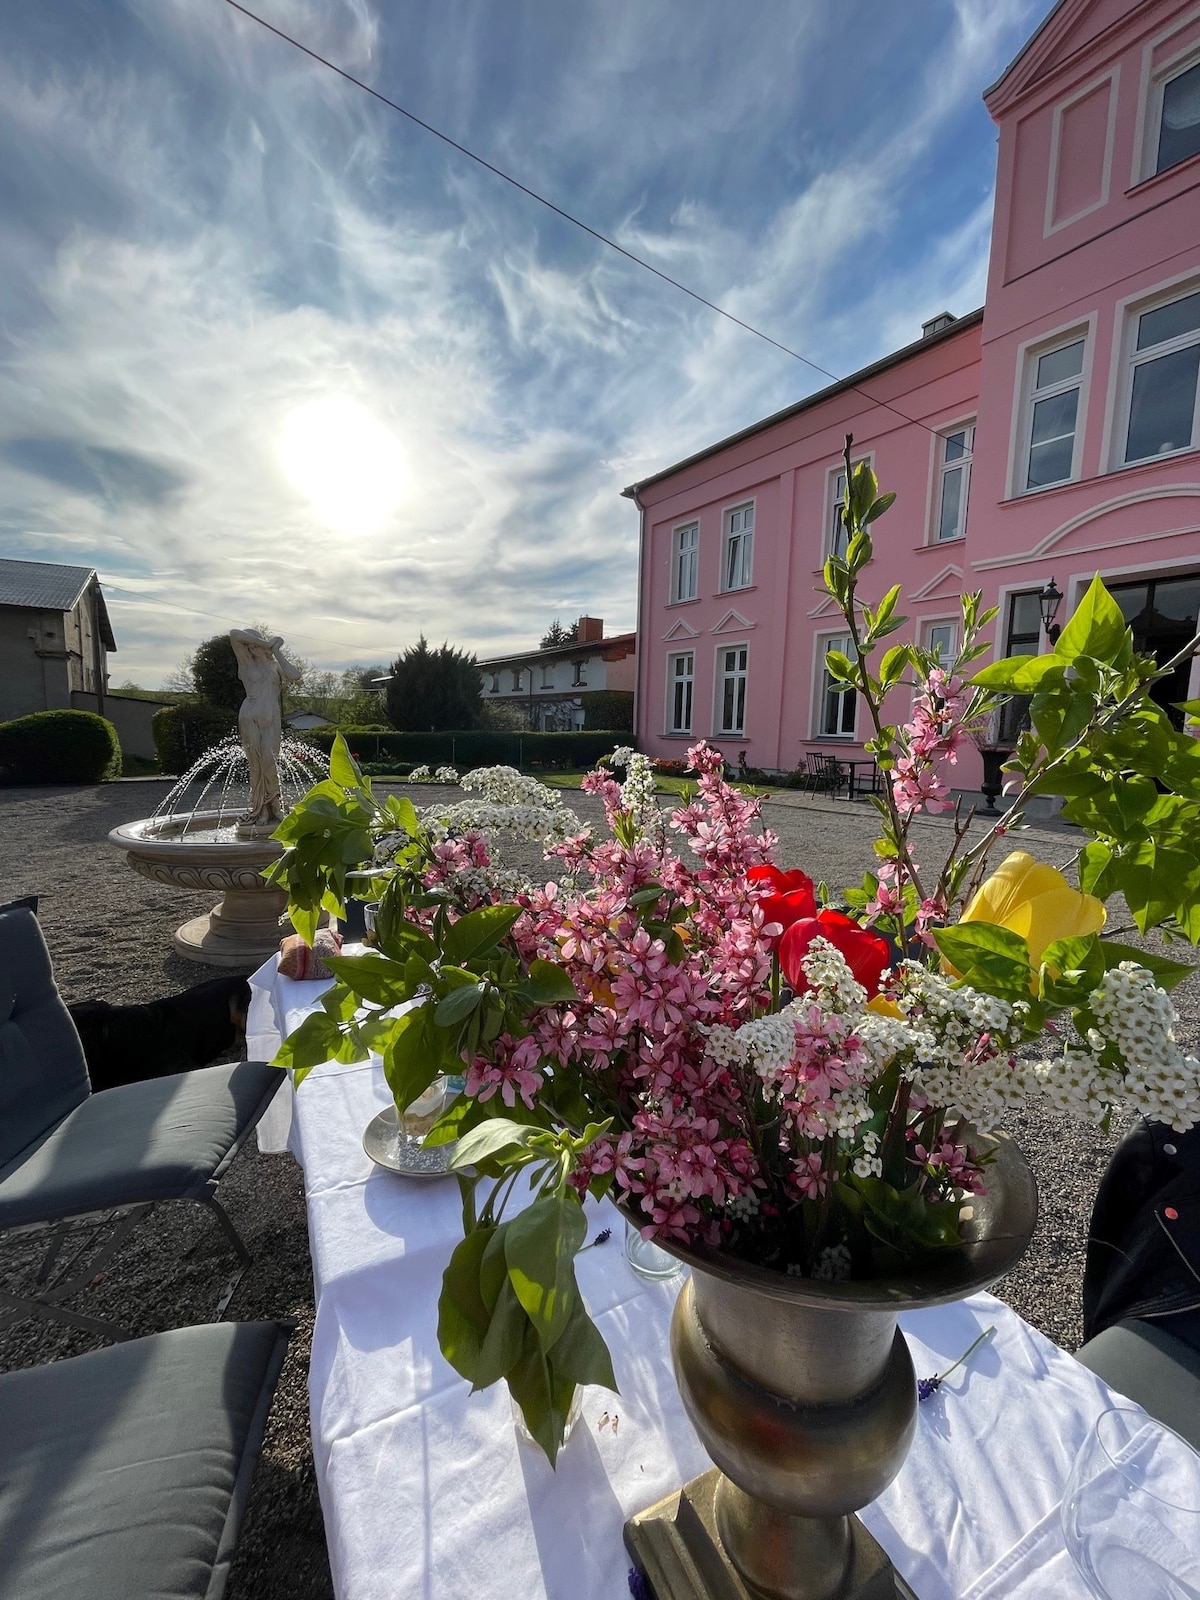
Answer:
x=109 y=936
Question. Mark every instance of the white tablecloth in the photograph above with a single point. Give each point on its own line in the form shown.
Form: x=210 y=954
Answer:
x=428 y=1492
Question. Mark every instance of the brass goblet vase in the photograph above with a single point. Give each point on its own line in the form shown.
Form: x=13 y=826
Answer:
x=804 y=1395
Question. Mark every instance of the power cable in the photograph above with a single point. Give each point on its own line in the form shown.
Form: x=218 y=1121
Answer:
x=567 y=216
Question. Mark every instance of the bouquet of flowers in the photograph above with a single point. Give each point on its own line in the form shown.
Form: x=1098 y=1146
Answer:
x=743 y=1059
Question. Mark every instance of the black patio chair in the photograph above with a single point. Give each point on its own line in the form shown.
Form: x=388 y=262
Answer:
x=83 y=1170
x=126 y=1471
x=824 y=771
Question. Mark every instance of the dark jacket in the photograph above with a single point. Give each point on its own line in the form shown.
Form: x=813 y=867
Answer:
x=1143 y=1252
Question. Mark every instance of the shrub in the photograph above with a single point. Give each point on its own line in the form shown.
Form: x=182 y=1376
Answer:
x=59 y=747
x=183 y=733
x=608 y=709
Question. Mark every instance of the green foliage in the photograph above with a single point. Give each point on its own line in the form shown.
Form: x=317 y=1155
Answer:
x=556 y=635
x=184 y=732
x=215 y=674
x=610 y=709
x=59 y=747
x=433 y=689
x=564 y=752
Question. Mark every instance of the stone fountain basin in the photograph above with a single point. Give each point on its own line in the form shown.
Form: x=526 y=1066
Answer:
x=203 y=850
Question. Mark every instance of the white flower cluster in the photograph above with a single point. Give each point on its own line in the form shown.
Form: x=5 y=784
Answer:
x=505 y=786
x=867 y=1163
x=419 y=774
x=981 y=1091
x=1131 y=1056
x=637 y=792
x=768 y=1044
x=835 y=987
x=445 y=775
x=741 y=1207
x=833 y=1264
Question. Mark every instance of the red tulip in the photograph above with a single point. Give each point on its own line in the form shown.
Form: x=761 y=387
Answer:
x=791 y=896
x=867 y=953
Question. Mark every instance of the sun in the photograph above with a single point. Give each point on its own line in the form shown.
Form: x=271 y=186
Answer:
x=346 y=463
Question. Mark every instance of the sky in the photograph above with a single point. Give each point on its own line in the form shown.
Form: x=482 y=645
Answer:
x=270 y=351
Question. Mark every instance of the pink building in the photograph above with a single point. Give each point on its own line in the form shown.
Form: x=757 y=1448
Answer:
x=1051 y=435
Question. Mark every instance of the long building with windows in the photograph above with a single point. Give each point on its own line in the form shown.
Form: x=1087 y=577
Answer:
x=1048 y=436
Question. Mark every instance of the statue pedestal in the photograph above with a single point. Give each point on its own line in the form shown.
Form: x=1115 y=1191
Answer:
x=241 y=930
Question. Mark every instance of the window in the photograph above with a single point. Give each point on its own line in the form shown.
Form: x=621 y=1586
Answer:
x=1024 y=638
x=495 y=689
x=1162 y=382
x=739 y=547
x=547 y=675
x=731 y=705
x=680 y=679
x=516 y=678
x=954 y=482
x=579 y=681
x=1052 y=415
x=839 y=710
x=837 y=541
x=941 y=640
x=684 y=561
x=1163 y=615
x=1179 y=118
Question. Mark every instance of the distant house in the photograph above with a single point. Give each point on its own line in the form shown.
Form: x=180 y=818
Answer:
x=55 y=637
x=552 y=687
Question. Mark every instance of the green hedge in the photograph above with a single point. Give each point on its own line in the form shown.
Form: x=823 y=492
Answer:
x=59 y=747
x=611 y=709
x=480 y=747
x=184 y=732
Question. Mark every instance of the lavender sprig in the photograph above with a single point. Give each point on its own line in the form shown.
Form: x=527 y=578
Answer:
x=928 y=1387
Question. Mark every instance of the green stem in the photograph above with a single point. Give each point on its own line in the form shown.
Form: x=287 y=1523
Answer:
x=967 y=1354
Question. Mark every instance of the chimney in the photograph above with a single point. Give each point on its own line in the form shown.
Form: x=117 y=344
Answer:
x=944 y=319
x=591 y=630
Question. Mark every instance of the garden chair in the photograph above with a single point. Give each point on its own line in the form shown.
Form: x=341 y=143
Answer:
x=824 y=772
x=75 y=1166
x=126 y=1471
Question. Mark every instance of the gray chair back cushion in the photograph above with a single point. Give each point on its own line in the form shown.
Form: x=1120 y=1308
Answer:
x=43 y=1075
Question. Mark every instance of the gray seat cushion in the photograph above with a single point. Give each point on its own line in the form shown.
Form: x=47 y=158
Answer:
x=43 y=1075
x=163 y=1139
x=123 y=1473
x=1144 y=1362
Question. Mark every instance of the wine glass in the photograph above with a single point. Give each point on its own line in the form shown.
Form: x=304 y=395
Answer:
x=1131 y=1510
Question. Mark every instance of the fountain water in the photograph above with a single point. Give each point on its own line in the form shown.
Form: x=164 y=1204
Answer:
x=212 y=831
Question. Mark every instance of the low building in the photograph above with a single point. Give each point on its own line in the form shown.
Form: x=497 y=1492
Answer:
x=55 y=638
x=552 y=687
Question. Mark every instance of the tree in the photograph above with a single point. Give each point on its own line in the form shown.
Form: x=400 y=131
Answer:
x=556 y=634
x=215 y=678
x=433 y=689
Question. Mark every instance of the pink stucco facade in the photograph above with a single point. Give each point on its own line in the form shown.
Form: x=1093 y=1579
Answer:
x=1054 y=434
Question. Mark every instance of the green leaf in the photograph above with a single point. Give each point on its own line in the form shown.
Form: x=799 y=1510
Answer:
x=989 y=957
x=503 y=1342
x=1018 y=674
x=371 y=977
x=410 y=1061
x=477 y=932
x=581 y=1353
x=317 y=1039
x=548 y=984
x=892 y=666
x=342 y=767
x=1097 y=629
x=543 y=1404
x=463 y=1319
x=540 y=1248
x=498 y=1133
x=878 y=506
x=458 y=1004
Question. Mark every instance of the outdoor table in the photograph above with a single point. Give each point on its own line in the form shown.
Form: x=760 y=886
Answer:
x=428 y=1491
x=852 y=791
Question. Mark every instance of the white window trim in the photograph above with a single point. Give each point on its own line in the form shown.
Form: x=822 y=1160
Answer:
x=821 y=643
x=937 y=466
x=950 y=619
x=669 y=697
x=1150 y=96
x=831 y=478
x=719 y=690
x=680 y=528
x=1113 y=77
x=1120 y=395
x=748 y=504
x=1028 y=353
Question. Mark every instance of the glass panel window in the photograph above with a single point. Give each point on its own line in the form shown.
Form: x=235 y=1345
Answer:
x=547 y=677
x=1053 y=415
x=838 y=538
x=1179 y=126
x=731 y=704
x=1164 y=380
x=739 y=547
x=579 y=681
x=684 y=562
x=940 y=640
x=1024 y=638
x=955 y=479
x=516 y=678
x=838 y=706
x=495 y=689
x=1163 y=616
x=680 y=680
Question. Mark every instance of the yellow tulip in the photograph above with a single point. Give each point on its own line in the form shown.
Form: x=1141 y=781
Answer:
x=1035 y=901
x=884 y=1007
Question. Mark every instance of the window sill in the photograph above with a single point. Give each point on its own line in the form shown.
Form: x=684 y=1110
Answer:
x=940 y=544
x=1143 y=184
x=739 y=738
x=694 y=601
x=841 y=740
x=1152 y=465
x=746 y=588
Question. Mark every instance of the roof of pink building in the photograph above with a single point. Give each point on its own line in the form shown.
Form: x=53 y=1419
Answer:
x=926 y=342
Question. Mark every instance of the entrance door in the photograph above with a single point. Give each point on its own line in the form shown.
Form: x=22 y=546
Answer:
x=1162 y=614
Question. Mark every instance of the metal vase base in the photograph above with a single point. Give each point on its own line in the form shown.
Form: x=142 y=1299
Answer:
x=677 y=1544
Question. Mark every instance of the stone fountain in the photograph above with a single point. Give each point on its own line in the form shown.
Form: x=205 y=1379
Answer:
x=213 y=829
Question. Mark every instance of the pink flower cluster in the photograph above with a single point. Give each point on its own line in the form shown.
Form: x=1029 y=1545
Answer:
x=934 y=734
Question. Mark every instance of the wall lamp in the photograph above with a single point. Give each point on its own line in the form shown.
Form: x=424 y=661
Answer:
x=1049 y=600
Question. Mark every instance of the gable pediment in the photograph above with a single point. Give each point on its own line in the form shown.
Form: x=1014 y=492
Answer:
x=1070 y=28
x=949 y=581
x=681 y=630
x=732 y=622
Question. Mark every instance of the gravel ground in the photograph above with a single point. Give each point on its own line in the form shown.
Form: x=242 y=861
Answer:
x=109 y=935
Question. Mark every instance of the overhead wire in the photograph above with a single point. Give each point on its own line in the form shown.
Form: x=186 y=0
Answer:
x=567 y=216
